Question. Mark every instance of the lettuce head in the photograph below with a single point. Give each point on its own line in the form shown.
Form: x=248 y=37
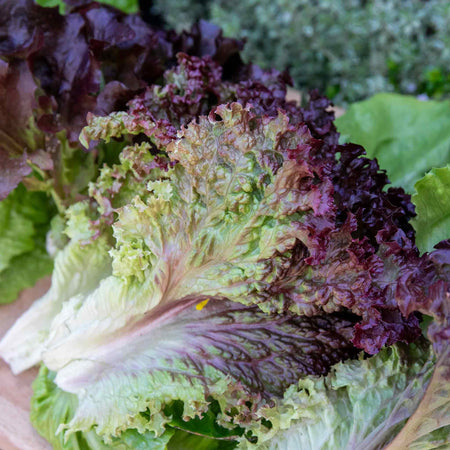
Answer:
x=215 y=287
x=226 y=275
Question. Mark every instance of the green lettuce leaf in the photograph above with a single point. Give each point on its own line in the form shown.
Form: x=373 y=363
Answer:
x=51 y=406
x=203 y=431
x=429 y=426
x=360 y=404
x=24 y=221
x=77 y=271
x=182 y=440
x=23 y=272
x=406 y=135
x=432 y=200
x=16 y=232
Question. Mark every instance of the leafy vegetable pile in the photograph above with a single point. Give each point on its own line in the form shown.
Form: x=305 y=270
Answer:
x=226 y=274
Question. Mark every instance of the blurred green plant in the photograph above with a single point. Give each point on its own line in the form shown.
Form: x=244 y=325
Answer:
x=350 y=49
x=128 y=6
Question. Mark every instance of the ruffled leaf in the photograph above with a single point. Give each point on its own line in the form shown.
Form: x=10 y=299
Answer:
x=50 y=406
x=196 y=349
x=360 y=404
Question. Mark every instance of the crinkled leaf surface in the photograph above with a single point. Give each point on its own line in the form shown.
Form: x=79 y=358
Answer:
x=51 y=406
x=360 y=405
x=432 y=200
x=406 y=135
x=224 y=350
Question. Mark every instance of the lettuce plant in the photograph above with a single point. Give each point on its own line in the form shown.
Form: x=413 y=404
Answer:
x=215 y=271
x=228 y=275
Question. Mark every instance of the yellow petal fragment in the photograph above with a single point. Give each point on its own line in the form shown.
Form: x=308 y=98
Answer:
x=201 y=305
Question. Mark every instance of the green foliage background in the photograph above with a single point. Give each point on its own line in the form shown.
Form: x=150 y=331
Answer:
x=350 y=49
x=128 y=6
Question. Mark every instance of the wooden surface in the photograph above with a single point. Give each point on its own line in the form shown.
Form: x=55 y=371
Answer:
x=16 y=431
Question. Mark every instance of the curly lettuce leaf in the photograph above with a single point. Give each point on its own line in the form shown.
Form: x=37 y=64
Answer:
x=407 y=136
x=238 y=186
x=279 y=188
x=432 y=200
x=196 y=349
x=360 y=404
x=51 y=406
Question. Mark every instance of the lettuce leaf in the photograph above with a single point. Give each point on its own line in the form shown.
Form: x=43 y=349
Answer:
x=16 y=232
x=190 y=352
x=260 y=185
x=77 y=271
x=360 y=404
x=407 y=136
x=18 y=131
x=24 y=221
x=182 y=440
x=432 y=200
x=51 y=406
x=23 y=272
x=315 y=413
x=429 y=426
